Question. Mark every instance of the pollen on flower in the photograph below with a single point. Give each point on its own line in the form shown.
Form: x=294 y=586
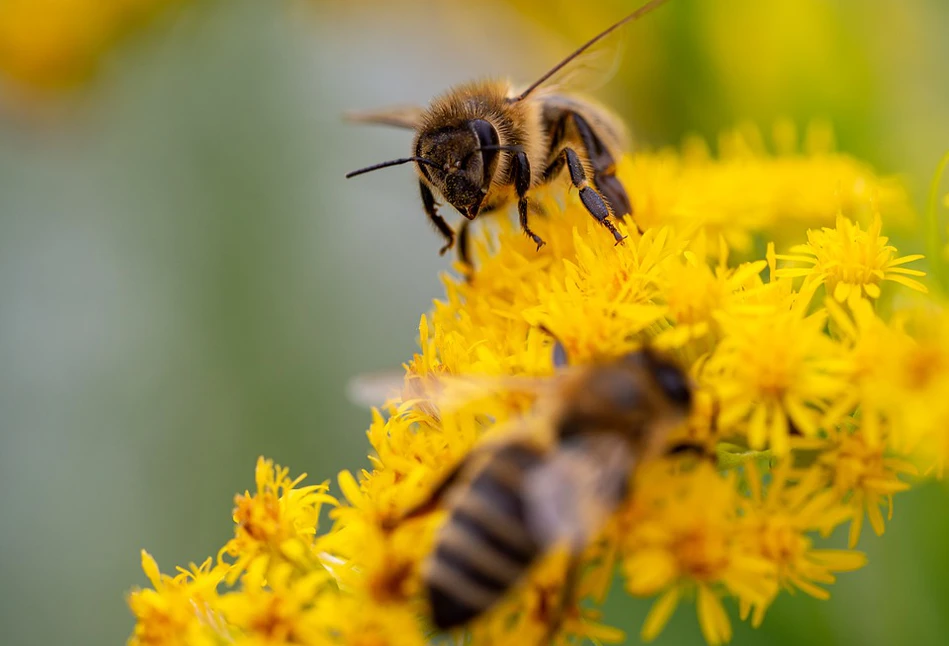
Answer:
x=819 y=405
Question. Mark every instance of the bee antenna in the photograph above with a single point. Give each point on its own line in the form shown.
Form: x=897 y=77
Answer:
x=393 y=162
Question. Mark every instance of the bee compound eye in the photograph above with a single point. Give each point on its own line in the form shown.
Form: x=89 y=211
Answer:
x=674 y=383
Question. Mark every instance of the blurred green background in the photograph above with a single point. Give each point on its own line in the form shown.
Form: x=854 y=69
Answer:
x=187 y=282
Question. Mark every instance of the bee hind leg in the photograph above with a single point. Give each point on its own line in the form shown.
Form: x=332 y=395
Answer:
x=604 y=169
x=595 y=203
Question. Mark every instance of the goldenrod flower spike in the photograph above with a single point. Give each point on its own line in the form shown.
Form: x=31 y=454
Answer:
x=822 y=401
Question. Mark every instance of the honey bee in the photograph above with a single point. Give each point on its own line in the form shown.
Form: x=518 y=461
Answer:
x=483 y=145
x=515 y=498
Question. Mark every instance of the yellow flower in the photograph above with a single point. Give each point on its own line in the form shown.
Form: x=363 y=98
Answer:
x=779 y=522
x=693 y=292
x=870 y=345
x=899 y=369
x=179 y=609
x=525 y=617
x=914 y=389
x=682 y=535
x=278 y=608
x=748 y=190
x=278 y=522
x=774 y=370
x=782 y=379
x=357 y=621
x=865 y=477
x=852 y=262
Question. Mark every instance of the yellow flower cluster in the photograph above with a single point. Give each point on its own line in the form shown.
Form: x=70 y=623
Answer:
x=49 y=44
x=820 y=386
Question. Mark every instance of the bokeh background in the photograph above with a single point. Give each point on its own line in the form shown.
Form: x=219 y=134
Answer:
x=187 y=282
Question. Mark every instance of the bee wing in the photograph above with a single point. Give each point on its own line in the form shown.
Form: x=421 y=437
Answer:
x=446 y=392
x=589 y=71
x=607 y=40
x=400 y=116
x=376 y=388
x=570 y=496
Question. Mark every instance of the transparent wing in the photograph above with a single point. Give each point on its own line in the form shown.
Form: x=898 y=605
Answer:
x=400 y=116
x=376 y=389
x=608 y=40
x=589 y=71
x=446 y=392
x=570 y=497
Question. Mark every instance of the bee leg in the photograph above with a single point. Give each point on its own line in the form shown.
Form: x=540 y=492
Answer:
x=522 y=182
x=430 y=503
x=464 y=244
x=696 y=449
x=604 y=168
x=686 y=447
x=428 y=201
x=537 y=208
x=568 y=599
x=592 y=200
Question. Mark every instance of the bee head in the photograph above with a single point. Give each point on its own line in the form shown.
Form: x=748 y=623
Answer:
x=463 y=160
x=668 y=377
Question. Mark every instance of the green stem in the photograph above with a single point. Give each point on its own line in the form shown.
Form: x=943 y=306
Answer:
x=934 y=235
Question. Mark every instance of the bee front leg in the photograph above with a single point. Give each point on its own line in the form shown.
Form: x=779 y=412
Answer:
x=428 y=201
x=522 y=182
x=591 y=199
x=464 y=243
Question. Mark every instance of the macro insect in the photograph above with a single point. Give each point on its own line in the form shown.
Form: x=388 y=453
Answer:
x=513 y=499
x=482 y=145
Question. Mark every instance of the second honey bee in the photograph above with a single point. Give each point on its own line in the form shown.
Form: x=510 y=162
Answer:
x=512 y=500
x=483 y=145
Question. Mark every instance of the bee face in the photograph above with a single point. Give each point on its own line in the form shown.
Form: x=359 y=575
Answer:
x=463 y=162
x=669 y=378
x=638 y=392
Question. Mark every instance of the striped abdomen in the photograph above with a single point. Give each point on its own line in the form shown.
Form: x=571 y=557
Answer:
x=485 y=545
